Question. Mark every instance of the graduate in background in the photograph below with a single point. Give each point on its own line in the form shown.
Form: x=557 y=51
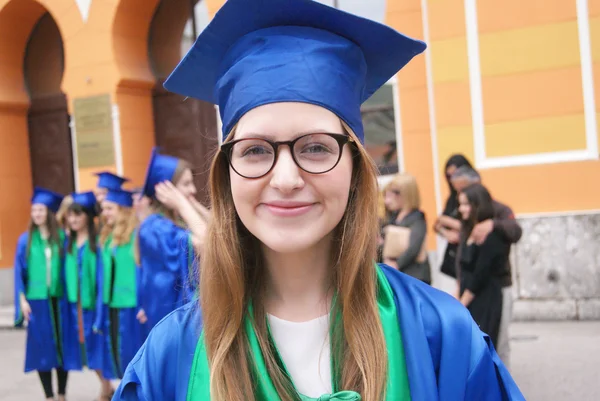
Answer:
x=121 y=281
x=164 y=238
x=39 y=291
x=292 y=305
x=84 y=326
x=106 y=182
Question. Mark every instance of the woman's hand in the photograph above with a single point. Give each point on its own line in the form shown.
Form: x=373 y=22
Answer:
x=169 y=195
x=391 y=263
x=25 y=308
x=141 y=316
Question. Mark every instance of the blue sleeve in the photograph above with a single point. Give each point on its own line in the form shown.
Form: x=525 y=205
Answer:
x=488 y=377
x=161 y=368
x=189 y=265
x=163 y=246
x=139 y=285
x=98 y=323
x=20 y=271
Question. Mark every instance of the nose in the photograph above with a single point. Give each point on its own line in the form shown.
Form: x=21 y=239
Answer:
x=286 y=176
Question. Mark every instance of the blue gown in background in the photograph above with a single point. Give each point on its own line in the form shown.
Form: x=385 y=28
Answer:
x=42 y=351
x=447 y=357
x=93 y=353
x=165 y=256
x=131 y=336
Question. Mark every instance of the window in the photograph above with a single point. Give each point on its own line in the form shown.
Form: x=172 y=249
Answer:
x=382 y=139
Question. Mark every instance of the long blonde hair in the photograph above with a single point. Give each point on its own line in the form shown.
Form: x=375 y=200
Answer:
x=233 y=273
x=408 y=187
x=124 y=226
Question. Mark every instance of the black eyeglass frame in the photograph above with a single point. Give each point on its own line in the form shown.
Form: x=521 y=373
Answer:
x=341 y=139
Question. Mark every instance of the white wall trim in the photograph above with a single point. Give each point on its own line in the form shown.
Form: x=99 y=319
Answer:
x=398 y=125
x=475 y=81
x=482 y=161
x=74 y=152
x=219 y=126
x=587 y=77
x=540 y=158
x=118 y=148
x=384 y=179
x=431 y=105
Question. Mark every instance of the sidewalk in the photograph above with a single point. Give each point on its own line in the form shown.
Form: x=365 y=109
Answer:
x=7 y=315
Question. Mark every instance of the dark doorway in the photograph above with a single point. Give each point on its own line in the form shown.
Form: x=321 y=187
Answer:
x=48 y=118
x=185 y=128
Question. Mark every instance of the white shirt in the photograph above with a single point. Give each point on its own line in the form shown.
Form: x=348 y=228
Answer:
x=305 y=351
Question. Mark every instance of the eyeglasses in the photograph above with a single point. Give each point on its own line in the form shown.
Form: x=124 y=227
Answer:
x=314 y=153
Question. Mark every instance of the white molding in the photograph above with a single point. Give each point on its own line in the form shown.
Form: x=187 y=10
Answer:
x=587 y=77
x=398 y=124
x=475 y=81
x=482 y=161
x=431 y=104
x=74 y=152
x=118 y=149
x=540 y=158
x=219 y=126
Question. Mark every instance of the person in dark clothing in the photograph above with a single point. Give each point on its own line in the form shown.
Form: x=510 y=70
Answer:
x=448 y=224
x=504 y=223
x=402 y=202
x=480 y=266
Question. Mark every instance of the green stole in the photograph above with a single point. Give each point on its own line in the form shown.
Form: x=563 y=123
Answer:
x=120 y=262
x=397 y=387
x=37 y=285
x=88 y=276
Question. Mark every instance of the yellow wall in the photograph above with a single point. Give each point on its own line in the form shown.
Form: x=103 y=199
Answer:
x=531 y=87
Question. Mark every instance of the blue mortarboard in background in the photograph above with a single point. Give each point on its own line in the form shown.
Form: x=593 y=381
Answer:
x=256 y=52
x=120 y=197
x=108 y=180
x=50 y=199
x=87 y=200
x=161 y=168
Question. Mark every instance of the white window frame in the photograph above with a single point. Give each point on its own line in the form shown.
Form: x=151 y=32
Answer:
x=384 y=179
x=482 y=161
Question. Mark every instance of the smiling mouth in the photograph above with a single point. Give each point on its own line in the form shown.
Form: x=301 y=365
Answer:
x=291 y=210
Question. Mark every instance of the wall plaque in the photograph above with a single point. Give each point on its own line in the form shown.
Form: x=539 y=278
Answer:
x=94 y=131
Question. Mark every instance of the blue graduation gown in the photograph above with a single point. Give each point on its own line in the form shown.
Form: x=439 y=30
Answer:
x=164 y=253
x=131 y=336
x=447 y=357
x=94 y=342
x=42 y=347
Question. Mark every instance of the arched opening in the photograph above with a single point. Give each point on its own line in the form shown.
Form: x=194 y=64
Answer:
x=185 y=128
x=34 y=128
x=51 y=154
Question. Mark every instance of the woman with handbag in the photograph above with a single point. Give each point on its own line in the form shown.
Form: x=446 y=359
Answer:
x=405 y=233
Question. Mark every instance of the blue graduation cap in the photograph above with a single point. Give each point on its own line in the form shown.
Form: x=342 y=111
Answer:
x=120 y=197
x=256 y=52
x=161 y=168
x=87 y=200
x=50 y=199
x=108 y=180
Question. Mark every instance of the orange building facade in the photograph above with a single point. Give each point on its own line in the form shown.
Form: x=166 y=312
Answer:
x=512 y=85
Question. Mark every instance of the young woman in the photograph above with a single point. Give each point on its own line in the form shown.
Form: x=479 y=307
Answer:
x=164 y=239
x=448 y=224
x=84 y=325
x=292 y=305
x=38 y=291
x=481 y=266
x=402 y=201
x=121 y=280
